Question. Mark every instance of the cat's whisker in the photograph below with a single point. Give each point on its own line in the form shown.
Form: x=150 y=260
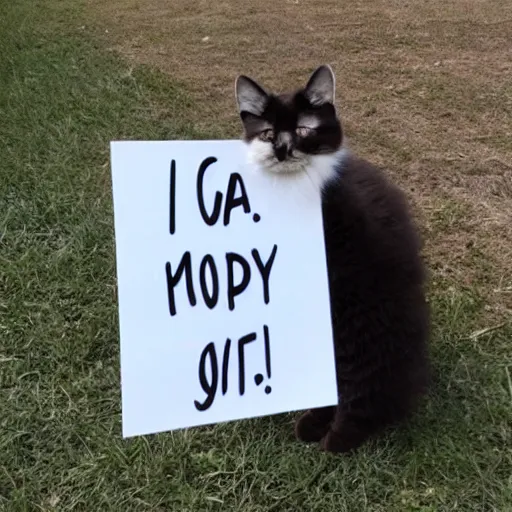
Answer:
x=310 y=179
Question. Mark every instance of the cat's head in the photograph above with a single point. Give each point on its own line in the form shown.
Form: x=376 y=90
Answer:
x=285 y=132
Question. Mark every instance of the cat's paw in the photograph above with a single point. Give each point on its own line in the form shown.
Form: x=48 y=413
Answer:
x=309 y=429
x=336 y=442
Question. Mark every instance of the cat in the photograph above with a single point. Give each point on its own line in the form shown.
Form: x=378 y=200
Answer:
x=380 y=315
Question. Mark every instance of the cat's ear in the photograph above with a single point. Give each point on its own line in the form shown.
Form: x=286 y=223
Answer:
x=250 y=96
x=321 y=86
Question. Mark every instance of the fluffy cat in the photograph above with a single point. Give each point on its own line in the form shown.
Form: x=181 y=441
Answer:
x=379 y=313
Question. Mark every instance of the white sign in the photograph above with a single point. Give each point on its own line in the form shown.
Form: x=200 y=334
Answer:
x=223 y=292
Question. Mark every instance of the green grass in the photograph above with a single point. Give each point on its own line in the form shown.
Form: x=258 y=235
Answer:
x=62 y=99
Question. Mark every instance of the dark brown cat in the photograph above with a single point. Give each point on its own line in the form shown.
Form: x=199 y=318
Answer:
x=379 y=312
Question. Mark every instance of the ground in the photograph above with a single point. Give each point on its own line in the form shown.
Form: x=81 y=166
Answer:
x=423 y=89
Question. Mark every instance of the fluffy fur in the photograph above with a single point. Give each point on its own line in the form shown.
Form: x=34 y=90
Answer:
x=379 y=312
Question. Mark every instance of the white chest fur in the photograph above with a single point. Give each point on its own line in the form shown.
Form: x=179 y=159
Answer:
x=319 y=168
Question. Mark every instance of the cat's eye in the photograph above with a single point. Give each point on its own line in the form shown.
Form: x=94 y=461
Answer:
x=267 y=135
x=304 y=131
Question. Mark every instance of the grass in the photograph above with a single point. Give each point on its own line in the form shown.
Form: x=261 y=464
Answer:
x=62 y=99
x=423 y=90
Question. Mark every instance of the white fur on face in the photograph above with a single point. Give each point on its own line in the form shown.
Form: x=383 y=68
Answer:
x=308 y=121
x=319 y=168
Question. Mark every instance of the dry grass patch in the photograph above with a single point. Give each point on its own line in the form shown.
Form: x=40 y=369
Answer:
x=423 y=87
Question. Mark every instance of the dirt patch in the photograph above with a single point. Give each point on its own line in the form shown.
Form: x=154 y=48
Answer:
x=424 y=89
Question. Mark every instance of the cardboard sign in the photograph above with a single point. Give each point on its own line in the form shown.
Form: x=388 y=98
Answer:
x=223 y=291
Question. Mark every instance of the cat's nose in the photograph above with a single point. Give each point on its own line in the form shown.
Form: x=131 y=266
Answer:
x=281 y=153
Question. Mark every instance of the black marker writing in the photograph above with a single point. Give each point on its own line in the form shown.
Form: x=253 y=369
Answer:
x=210 y=388
x=236 y=289
x=172 y=199
x=266 y=336
x=258 y=378
x=214 y=216
x=210 y=299
x=185 y=265
x=265 y=270
x=267 y=351
x=211 y=288
x=225 y=366
x=209 y=359
x=214 y=284
x=232 y=201
x=249 y=338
